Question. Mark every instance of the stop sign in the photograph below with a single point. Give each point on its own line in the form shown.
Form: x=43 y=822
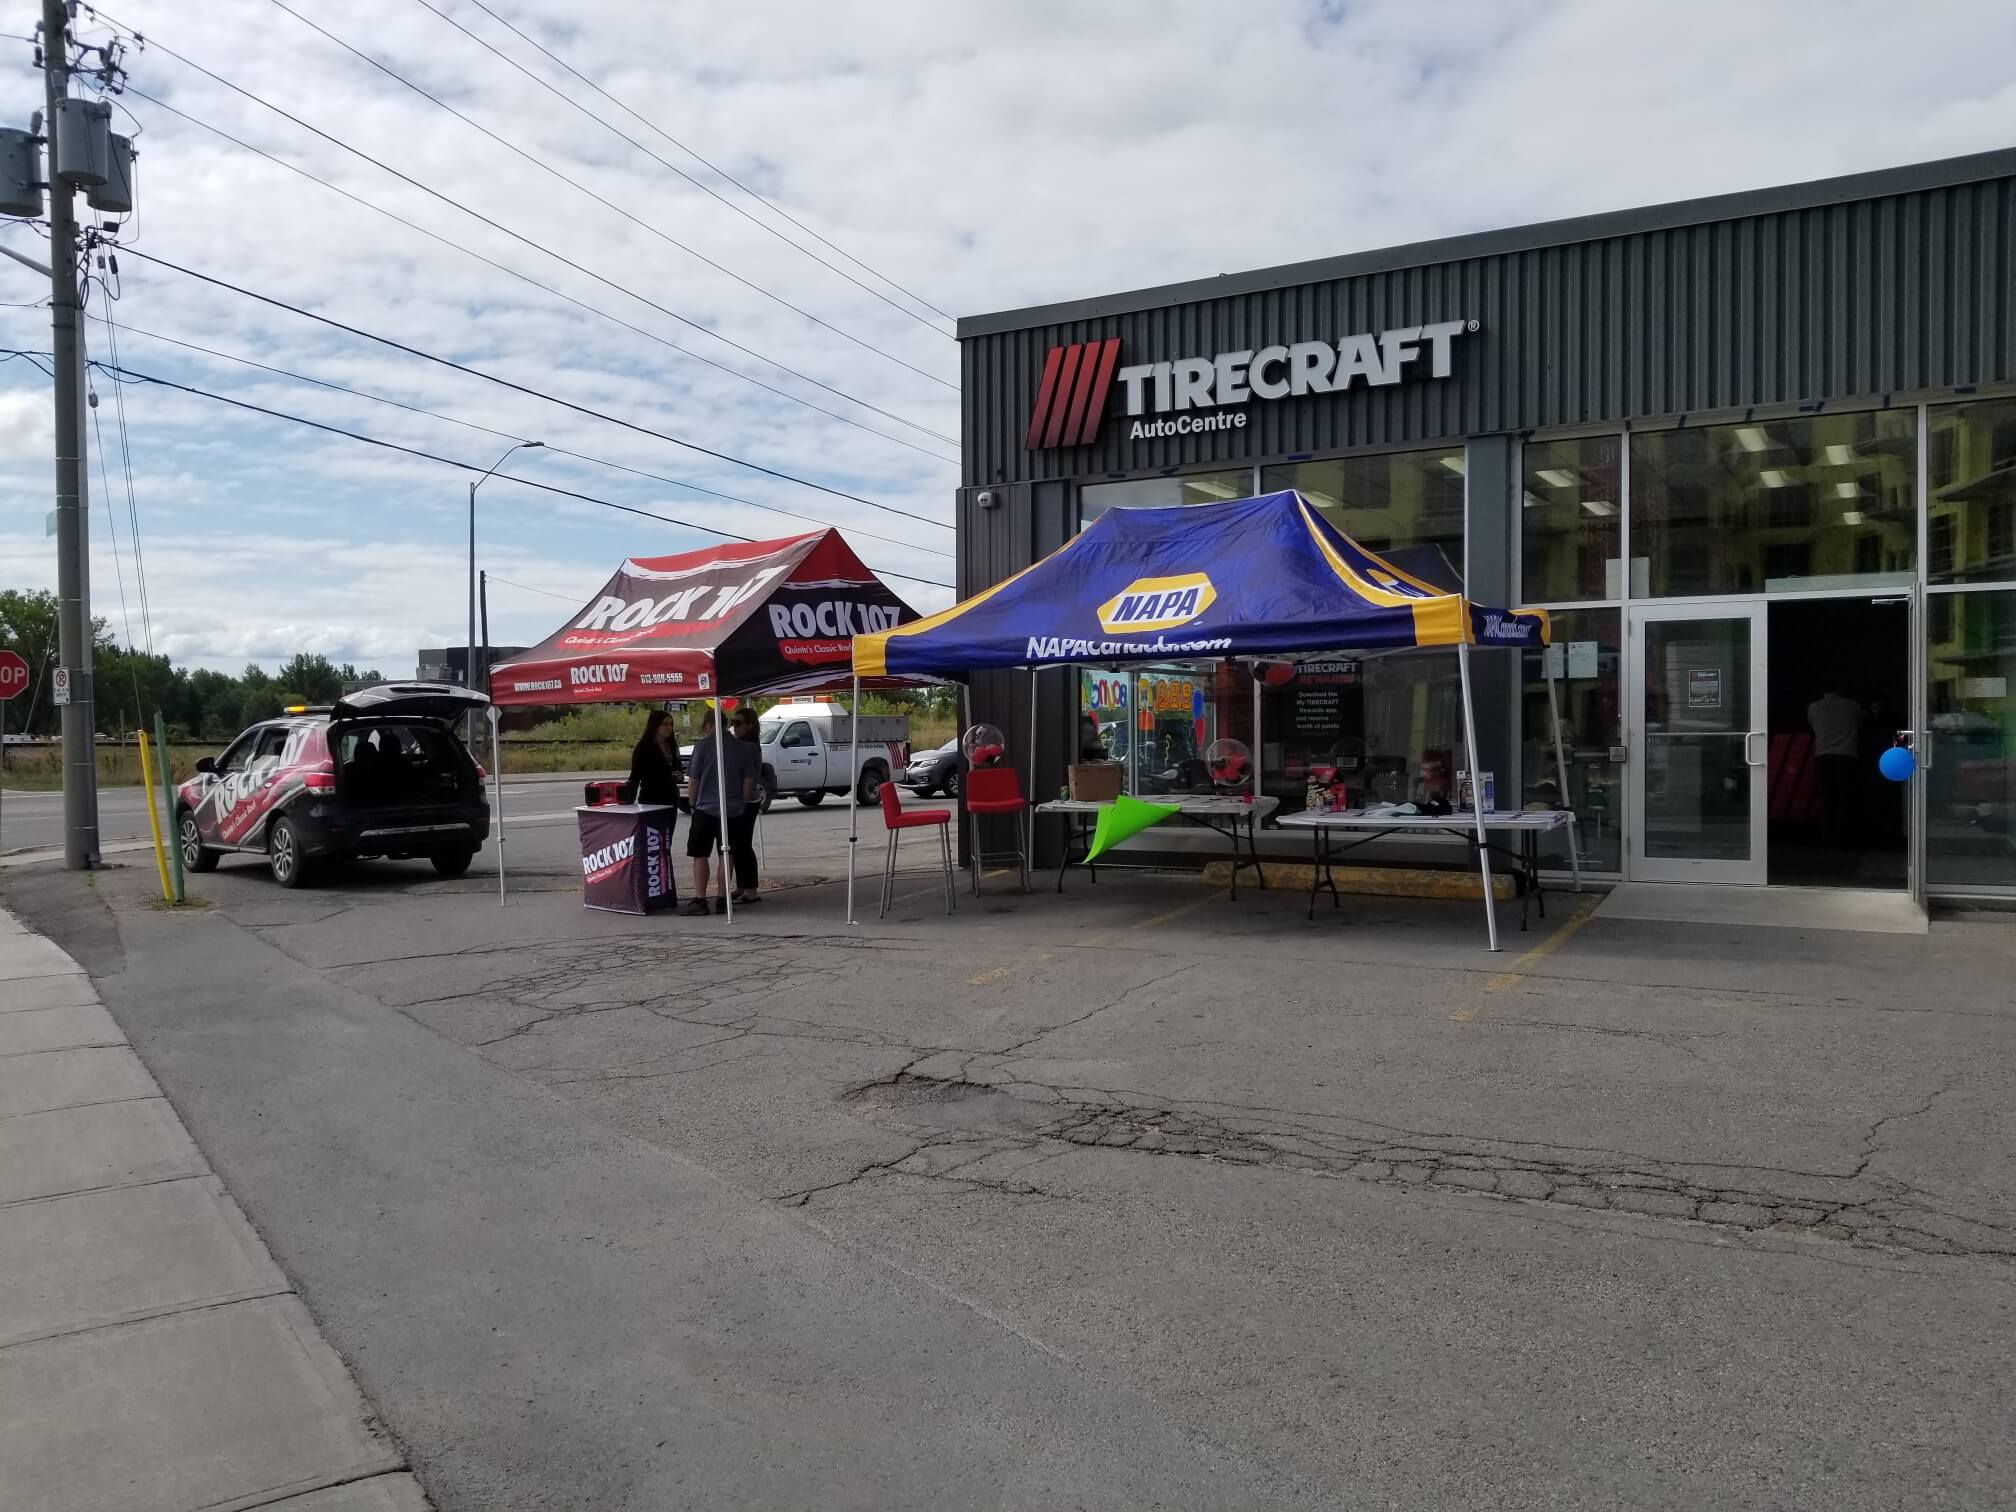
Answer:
x=13 y=675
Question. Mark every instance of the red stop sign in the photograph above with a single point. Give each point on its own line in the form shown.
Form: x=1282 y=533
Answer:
x=13 y=675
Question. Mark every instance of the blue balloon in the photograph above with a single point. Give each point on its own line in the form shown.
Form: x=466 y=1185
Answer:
x=1897 y=764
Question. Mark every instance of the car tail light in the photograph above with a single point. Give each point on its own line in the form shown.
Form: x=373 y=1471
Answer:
x=319 y=779
x=481 y=774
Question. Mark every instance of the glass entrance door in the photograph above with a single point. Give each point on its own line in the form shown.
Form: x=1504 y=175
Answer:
x=1698 y=736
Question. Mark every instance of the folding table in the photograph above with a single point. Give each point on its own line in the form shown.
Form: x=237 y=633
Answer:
x=1462 y=823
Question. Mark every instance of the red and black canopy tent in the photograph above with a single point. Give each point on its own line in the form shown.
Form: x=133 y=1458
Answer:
x=734 y=620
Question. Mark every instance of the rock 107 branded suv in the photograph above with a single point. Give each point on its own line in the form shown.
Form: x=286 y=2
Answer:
x=379 y=773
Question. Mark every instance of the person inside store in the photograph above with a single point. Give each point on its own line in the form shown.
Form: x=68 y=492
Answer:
x=1836 y=722
x=1091 y=743
x=655 y=773
x=742 y=828
x=718 y=795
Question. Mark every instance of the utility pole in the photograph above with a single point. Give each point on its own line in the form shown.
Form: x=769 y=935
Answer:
x=73 y=561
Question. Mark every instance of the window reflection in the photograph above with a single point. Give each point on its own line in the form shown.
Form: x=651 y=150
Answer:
x=1813 y=501
x=1971 y=473
x=1407 y=506
x=1095 y=499
x=1390 y=728
x=1570 y=519
x=1587 y=660
x=1970 y=793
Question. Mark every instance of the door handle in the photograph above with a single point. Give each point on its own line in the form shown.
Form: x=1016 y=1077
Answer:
x=1750 y=735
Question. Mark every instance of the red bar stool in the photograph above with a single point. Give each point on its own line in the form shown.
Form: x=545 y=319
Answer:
x=994 y=790
x=897 y=819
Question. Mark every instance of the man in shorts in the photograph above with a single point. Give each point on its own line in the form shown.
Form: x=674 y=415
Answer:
x=713 y=813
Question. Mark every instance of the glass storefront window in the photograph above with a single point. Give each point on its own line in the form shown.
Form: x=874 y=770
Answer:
x=1094 y=499
x=1390 y=727
x=1407 y=506
x=1570 y=520
x=1971 y=476
x=1105 y=717
x=1970 y=786
x=1813 y=501
x=1587 y=660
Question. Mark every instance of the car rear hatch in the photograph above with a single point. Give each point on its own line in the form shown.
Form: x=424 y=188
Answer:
x=442 y=701
x=405 y=783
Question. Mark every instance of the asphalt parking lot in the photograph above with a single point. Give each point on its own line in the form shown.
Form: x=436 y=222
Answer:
x=1136 y=1196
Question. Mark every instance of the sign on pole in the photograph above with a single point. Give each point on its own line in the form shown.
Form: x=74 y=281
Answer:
x=59 y=683
x=13 y=675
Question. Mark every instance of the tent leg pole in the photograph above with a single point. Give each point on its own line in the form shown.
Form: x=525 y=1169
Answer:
x=721 y=791
x=1253 y=669
x=1477 y=793
x=853 y=808
x=1029 y=838
x=1561 y=769
x=497 y=769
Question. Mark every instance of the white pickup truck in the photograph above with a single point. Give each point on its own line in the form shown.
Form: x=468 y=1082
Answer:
x=806 y=754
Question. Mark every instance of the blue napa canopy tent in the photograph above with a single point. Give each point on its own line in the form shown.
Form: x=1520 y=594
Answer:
x=1260 y=577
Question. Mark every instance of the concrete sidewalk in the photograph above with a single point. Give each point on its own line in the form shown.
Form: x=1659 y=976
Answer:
x=152 y=1355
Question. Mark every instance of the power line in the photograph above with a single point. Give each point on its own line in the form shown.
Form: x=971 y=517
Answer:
x=528 y=241
x=565 y=598
x=126 y=461
x=526 y=278
x=540 y=163
x=416 y=409
x=519 y=388
x=774 y=208
x=427 y=456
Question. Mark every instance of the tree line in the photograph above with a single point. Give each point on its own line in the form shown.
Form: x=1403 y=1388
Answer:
x=131 y=685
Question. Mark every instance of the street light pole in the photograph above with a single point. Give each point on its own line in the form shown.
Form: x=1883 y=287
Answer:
x=469 y=666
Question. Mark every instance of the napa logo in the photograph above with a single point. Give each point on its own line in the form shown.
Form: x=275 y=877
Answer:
x=1157 y=603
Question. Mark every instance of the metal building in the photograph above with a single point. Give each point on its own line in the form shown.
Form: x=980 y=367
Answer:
x=1758 y=451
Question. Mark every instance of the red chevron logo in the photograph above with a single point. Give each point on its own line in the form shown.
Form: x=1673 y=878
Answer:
x=1071 y=398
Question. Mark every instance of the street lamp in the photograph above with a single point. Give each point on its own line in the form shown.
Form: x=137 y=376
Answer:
x=469 y=666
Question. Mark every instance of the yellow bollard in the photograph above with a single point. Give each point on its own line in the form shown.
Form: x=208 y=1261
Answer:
x=154 y=820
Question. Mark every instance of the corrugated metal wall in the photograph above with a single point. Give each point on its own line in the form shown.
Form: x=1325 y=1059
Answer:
x=1904 y=292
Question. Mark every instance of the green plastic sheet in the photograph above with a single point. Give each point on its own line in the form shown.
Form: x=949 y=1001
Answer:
x=1127 y=818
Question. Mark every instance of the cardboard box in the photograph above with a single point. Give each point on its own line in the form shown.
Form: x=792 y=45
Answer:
x=1096 y=781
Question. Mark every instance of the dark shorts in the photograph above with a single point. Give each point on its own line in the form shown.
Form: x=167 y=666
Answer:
x=703 y=835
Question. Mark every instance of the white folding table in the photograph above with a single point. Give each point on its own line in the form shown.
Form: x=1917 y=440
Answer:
x=1224 y=815
x=1462 y=823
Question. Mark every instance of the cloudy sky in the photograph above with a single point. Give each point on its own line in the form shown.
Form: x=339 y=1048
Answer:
x=981 y=155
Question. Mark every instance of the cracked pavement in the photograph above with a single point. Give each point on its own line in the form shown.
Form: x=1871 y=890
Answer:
x=1661 y=1219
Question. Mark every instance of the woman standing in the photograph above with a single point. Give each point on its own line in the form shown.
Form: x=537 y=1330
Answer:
x=655 y=774
x=742 y=828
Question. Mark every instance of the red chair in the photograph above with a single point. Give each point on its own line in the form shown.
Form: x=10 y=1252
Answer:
x=897 y=819
x=994 y=790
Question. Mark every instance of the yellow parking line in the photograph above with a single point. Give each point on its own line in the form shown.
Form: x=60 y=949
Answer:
x=1106 y=937
x=1544 y=949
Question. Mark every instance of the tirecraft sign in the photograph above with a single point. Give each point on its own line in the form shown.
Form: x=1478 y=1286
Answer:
x=1205 y=393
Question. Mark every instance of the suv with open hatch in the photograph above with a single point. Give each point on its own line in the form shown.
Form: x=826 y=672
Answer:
x=378 y=773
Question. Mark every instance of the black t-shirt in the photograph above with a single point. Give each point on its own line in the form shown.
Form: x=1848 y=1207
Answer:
x=654 y=776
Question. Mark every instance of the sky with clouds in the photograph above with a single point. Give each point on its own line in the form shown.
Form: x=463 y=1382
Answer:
x=983 y=156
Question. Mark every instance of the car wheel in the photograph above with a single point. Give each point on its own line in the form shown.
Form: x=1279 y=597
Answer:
x=196 y=856
x=814 y=798
x=952 y=785
x=868 y=791
x=766 y=790
x=283 y=853
x=452 y=863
